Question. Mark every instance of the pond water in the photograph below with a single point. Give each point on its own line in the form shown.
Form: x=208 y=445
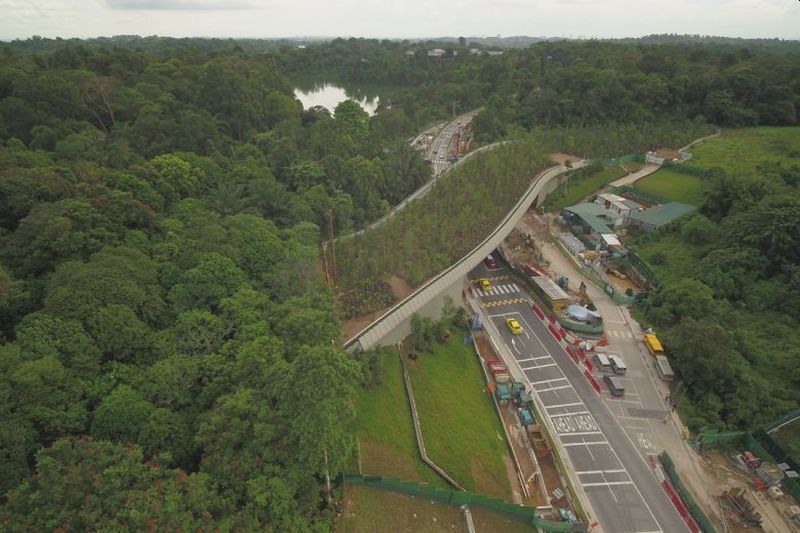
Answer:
x=329 y=95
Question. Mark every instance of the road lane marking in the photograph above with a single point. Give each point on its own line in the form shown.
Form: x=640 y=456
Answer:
x=562 y=405
x=616 y=471
x=616 y=455
x=556 y=388
x=609 y=484
x=548 y=381
x=539 y=366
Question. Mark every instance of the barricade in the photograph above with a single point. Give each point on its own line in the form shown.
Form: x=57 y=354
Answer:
x=592 y=381
x=678 y=503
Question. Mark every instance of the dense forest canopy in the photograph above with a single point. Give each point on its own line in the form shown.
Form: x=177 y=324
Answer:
x=166 y=336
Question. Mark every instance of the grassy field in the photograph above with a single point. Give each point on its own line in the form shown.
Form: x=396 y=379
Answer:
x=740 y=151
x=579 y=188
x=674 y=186
x=461 y=428
x=374 y=510
x=386 y=430
x=387 y=445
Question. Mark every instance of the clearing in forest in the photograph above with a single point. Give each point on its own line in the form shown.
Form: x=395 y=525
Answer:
x=741 y=151
x=674 y=186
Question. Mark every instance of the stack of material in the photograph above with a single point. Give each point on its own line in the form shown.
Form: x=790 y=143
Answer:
x=738 y=501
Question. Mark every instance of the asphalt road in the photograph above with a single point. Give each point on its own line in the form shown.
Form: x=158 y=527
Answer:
x=620 y=485
x=440 y=146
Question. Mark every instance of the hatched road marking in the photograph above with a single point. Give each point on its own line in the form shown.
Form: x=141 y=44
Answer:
x=498 y=303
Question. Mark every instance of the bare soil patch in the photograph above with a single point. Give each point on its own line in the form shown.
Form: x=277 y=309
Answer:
x=562 y=158
x=668 y=153
x=354 y=325
x=400 y=287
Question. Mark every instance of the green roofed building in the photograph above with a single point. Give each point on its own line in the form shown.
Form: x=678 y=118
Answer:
x=655 y=217
x=594 y=219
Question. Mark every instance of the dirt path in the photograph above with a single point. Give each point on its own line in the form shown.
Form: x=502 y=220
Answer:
x=630 y=179
x=400 y=288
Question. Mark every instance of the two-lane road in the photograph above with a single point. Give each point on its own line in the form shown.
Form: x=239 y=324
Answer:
x=620 y=485
x=439 y=150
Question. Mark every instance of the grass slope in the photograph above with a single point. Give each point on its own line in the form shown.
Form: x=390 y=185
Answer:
x=789 y=438
x=374 y=510
x=741 y=151
x=386 y=430
x=579 y=188
x=674 y=186
x=461 y=428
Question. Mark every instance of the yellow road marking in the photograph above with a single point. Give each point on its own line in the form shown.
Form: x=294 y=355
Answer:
x=498 y=303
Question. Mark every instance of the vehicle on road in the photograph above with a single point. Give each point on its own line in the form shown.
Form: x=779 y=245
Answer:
x=603 y=363
x=618 y=365
x=513 y=326
x=485 y=284
x=490 y=261
x=615 y=386
x=664 y=368
x=653 y=344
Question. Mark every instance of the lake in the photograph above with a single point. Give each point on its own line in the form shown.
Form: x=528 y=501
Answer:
x=328 y=95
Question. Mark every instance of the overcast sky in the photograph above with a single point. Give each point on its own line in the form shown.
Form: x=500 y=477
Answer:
x=398 y=18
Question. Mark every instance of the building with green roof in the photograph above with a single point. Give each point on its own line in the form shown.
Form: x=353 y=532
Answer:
x=595 y=220
x=655 y=217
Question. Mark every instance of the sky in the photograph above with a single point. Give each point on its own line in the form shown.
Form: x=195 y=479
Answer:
x=20 y=19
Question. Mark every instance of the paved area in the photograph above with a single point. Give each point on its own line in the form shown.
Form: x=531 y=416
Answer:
x=439 y=149
x=618 y=481
x=630 y=179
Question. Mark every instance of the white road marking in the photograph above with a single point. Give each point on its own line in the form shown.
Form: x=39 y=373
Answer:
x=608 y=483
x=539 y=366
x=548 y=381
x=556 y=388
x=562 y=405
x=617 y=471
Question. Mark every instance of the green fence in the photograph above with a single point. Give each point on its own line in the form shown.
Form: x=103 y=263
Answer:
x=455 y=498
x=624 y=159
x=759 y=443
x=782 y=420
x=646 y=196
x=765 y=447
x=640 y=266
x=728 y=439
x=694 y=509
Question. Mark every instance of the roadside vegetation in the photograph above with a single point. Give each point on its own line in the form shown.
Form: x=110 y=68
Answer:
x=581 y=184
x=731 y=294
x=463 y=208
x=385 y=428
x=675 y=186
x=461 y=428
